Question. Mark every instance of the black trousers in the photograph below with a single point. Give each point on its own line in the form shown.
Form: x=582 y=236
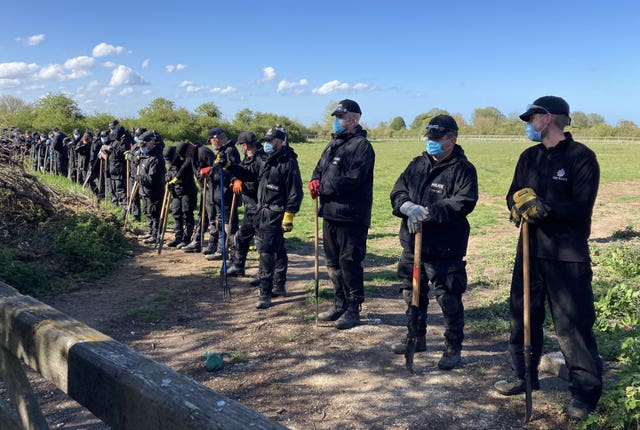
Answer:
x=449 y=280
x=345 y=246
x=242 y=238
x=273 y=259
x=567 y=287
x=182 y=207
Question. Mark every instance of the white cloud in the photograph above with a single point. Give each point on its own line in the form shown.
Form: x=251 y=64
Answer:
x=177 y=68
x=9 y=83
x=82 y=62
x=195 y=89
x=145 y=63
x=103 y=49
x=34 y=40
x=185 y=84
x=53 y=72
x=123 y=75
x=268 y=73
x=77 y=74
x=335 y=85
x=34 y=87
x=109 y=64
x=331 y=87
x=226 y=90
x=363 y=87
x=297 y=87
x=147 y=92
x=16 y=70
x=126 y=91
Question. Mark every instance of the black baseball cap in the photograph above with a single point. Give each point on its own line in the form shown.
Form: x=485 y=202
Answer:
x=345 y=106
x=147 y=136
x=274 y=133
x=547 y=104
x=441 y=125
x=247 y=137
x=215 y=132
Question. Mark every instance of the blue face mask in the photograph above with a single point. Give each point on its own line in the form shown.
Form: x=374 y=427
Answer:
x=144 y=150
x=532 y=133
x=104 y=139
x=268 y=147
x=337 y=126
x=135 y=139
x=434 y=148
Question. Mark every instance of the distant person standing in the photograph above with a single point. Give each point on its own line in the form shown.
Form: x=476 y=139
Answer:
x=436 y=192
x=152 y=180
x=343 y=179
x=554 y=189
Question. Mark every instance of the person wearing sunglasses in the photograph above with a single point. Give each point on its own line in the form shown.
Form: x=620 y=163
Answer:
x=554 y=189
x=435 y=193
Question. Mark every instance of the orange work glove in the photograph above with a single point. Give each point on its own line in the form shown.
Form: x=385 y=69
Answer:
x=236 y=186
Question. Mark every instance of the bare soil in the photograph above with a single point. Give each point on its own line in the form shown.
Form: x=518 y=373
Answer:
x=312 y=376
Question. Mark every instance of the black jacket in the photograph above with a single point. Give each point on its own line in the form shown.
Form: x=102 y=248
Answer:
x=279 y=186
x=566 y=178
x=250 y=188
x=345 y=172
x=449 y=189
x=214 y=176
x=183 y=170
x=152 y=173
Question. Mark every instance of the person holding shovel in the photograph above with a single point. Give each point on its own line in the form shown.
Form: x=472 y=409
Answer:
x=554 y=189
x=435 y=193
x=279 y=195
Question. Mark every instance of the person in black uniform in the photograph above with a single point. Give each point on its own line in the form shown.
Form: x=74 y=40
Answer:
x=184 y=193
x=343 y=179
x=554 y=189
x=220 y=143
x=119 y=143
x=249 y=189
x=151 y=179
x=436 y=192
x=83 y=156
x=60 y=152
x=202 y=159
x=279 y=198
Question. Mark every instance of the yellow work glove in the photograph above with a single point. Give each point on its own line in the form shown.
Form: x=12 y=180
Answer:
x=222 y=160
x=287 y=222
x=529 y=206
x=174 y=181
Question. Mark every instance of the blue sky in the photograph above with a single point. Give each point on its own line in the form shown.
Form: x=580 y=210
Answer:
x=294 y=58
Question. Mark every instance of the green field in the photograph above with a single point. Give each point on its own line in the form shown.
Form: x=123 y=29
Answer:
x=495 y=161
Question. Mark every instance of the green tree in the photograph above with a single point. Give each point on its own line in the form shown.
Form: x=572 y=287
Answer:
x=209 y=109
x=579 y=120
x=172 y=123
x=421 y=120
x=595 y=119
x=57 y=110
x=398 y=124
x=487 y=120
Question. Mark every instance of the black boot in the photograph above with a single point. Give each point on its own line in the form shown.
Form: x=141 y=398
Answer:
x=279 y=291
x=175 y=242
x=211 y=247
x=450 y=357
x=264 y=300
x=194 y=246
x=334 y=312
x=236 y=270
x=350 y=318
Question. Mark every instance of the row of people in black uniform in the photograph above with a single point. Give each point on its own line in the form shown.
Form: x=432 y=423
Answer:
x=553 y=190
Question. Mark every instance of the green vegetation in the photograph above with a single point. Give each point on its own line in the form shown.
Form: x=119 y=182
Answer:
x=40 y=254
x=617 y=328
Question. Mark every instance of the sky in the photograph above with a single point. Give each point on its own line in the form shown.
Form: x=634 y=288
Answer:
x=296 y=58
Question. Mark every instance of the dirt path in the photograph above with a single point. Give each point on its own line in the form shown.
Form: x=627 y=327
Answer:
x=309 y=376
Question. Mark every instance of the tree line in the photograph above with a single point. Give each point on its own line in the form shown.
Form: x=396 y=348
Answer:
x=176 y=123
